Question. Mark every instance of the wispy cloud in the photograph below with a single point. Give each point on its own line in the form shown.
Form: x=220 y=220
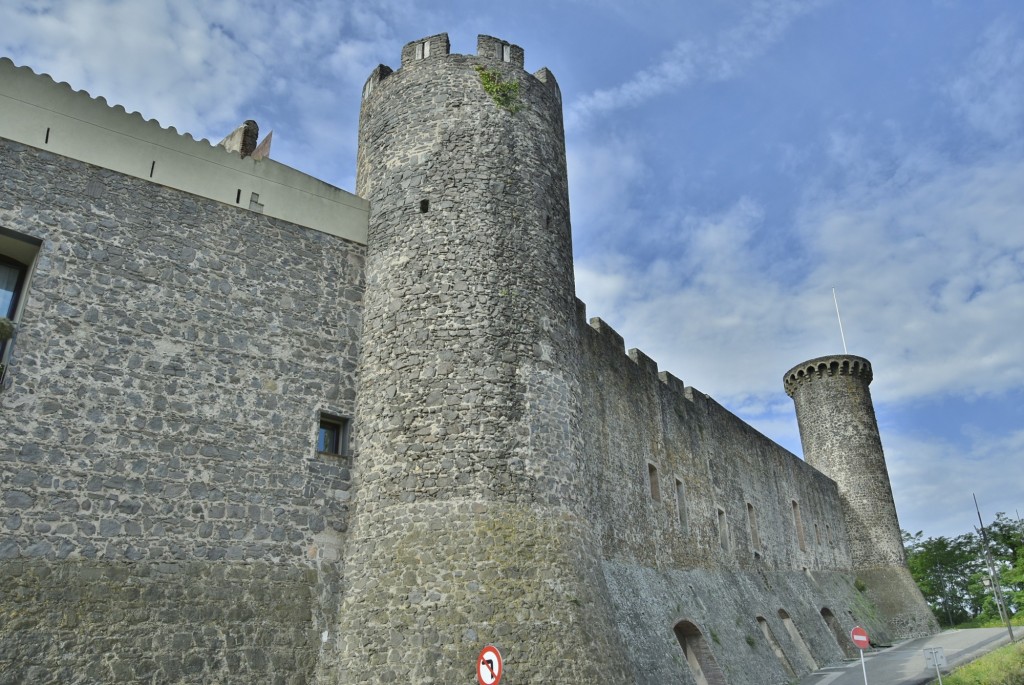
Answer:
x=690 y=61
x=168 y=60
x=936 y=479
x=990 y=91
x=204 y=67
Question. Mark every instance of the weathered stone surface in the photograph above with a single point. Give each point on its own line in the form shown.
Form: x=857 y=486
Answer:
x=468 y=486
x=110 y=621
x=158 y=452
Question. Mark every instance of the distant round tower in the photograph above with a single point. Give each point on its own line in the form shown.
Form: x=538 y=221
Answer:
x=467 y=527
x=840 y=438
x=839 y=435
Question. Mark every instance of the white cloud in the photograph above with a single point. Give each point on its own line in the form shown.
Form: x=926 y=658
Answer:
x=164 y=59
x=205 y=67
x=990 y=91
x=690 y=61
x=602 y=180
x=933 y=480
x=931 y=274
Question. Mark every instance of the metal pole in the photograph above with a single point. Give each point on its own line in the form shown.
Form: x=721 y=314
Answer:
x=863 y=667
x=997 y=590
x=937 y=671
x=841 y=334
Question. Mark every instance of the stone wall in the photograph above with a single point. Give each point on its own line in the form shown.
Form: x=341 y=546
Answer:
x=164 y=515
x=666 y=559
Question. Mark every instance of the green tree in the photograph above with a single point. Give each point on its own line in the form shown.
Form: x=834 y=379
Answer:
x=949 y=572
x=1006 y=544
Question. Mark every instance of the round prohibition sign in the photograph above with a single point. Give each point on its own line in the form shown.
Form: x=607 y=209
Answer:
x=489 y=666
x=860 y=638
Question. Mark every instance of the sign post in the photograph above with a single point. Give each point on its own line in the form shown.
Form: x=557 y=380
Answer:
x=934 y=656
x=860 y=639
x=489 y=666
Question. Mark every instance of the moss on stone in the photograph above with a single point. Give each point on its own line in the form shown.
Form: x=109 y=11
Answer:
x=505 y=93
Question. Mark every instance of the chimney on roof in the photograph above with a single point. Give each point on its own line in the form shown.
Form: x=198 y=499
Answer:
x=242 y=139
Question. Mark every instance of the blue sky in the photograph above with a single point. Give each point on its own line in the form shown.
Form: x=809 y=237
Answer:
x=731 y=161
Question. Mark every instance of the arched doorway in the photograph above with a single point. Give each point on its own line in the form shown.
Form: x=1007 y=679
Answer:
x=798 y=640
x=842 y=639
x=774 y=644
x=701 y=661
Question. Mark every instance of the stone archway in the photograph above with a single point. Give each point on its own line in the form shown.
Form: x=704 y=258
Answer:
x=798 y=640
x=774 y=644
x=698 y=654
x=842 y=639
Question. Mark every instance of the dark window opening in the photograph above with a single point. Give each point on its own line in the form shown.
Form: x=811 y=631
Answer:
x=798 y=525
x=755 y=538
x=333 y=436
x=681 y=503
x=652 y=476
x=424 y=206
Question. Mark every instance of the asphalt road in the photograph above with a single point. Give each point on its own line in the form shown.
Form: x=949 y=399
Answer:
x=903 y=664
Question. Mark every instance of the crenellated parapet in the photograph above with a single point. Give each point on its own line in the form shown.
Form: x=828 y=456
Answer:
x=432 y=50
x=832 y=365
x=615 y=344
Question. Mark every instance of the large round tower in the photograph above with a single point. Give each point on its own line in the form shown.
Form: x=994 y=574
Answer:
x=839 y=435
x=468 y=527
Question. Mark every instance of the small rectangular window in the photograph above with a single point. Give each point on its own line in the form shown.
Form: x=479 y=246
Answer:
x=723 y=530
x=681 y=503
x=17 y=254
x=333 y=435
x=755 y=539
x=652 y=477
x=506 y=53
x=798 y=525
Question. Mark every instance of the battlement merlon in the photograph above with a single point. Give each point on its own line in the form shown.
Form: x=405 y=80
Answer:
x=438 y=46
x=832 y=365
x=431 y=47
x=500 y=50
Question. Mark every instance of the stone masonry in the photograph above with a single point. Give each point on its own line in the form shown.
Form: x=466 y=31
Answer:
x=164 y=518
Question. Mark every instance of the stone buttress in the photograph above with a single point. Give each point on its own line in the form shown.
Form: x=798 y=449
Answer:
x=840 y=438
x=468 y=525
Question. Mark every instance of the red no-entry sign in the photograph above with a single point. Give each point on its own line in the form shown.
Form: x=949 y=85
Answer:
x=489 y=666
x=860 y=638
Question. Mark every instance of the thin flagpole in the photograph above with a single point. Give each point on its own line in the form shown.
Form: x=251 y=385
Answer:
x=841 y=334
